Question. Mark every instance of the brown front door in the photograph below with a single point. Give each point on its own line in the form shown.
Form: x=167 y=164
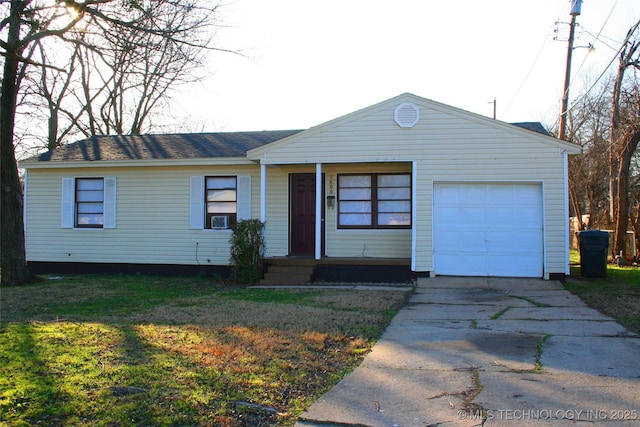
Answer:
x=302 y=221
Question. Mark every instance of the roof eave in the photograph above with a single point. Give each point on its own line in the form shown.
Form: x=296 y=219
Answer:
x=570 y=147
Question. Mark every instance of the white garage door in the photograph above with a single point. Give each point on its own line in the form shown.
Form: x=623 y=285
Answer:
x=488 y=229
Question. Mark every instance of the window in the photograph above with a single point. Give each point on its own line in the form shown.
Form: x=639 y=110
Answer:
x=374 y=201
x=220 y=202
x=89 y=203
x=394 y=200
x=355 y=201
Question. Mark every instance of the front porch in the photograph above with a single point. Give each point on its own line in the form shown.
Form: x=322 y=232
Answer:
x=305 y=270
x=308 y=213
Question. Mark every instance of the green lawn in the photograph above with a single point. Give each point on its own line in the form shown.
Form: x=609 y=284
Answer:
x=137 y=350
x=157 y=351
x=617 y=294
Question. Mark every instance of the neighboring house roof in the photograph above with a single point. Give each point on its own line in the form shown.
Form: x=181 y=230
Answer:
x=163 y=146
x=533 y=126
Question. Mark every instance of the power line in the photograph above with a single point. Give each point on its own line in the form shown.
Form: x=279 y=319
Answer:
x=606 y=69
x=598 y=35
x=526 y=77
x=622 y=46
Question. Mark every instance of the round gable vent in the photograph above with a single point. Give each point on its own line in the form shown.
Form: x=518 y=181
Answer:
x=406 y=115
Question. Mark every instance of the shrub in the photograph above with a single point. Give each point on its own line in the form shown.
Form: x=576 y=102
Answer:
x=247 y=250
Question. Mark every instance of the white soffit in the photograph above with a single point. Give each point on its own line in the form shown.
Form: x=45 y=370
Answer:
x=406 y=115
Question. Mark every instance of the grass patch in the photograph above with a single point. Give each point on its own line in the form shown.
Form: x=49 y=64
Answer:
x=574 y=257
x=139 y=350
x=539 y=349
x=278 y=296
x=531 y=301
x=500 y=313
x=617 y=295
x=93 y=296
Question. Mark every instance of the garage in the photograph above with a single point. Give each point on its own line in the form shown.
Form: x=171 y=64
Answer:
x=488 y=229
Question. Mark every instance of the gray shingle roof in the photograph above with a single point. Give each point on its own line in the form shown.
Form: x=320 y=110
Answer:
x=164 y=146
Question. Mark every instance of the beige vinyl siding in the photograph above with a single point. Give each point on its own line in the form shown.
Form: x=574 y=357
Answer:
x=439 y=135
x=555 y=226
x=424 y=223
x=368 y=243
x=152 y=218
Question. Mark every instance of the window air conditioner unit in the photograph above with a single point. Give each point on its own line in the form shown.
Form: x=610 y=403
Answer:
x=220 y=221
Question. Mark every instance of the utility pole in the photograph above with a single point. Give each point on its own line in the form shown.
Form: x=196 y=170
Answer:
x=494 y=107
x=576 y=6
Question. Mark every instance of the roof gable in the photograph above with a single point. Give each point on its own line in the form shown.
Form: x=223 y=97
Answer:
x=531 y=131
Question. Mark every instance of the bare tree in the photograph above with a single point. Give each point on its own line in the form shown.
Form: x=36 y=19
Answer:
x=624 y=134
x=50 y=89
x=170 y=25
x=144 y=67
x=588 y=178
x=124 y=85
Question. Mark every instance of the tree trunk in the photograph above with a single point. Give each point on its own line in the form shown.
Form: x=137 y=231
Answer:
x=575 y=200
x=52 y=136
x=622 y=146
x=13 y=262
x=622 y=201
x=614 y=169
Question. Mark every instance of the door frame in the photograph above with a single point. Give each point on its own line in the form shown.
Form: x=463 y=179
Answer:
x=290 y=212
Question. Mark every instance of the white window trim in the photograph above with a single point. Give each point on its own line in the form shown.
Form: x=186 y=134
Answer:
x=196 y=197
x=68 y=209
x=68 y=213
x=374 y=197
x=109 y=202
x=243 y=197
x=196 y=201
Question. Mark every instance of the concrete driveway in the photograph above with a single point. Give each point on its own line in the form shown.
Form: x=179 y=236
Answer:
x=493 y=352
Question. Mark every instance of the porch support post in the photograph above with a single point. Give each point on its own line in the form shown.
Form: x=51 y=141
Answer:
x=318 y=249
x=414 y=210
x=263 y=192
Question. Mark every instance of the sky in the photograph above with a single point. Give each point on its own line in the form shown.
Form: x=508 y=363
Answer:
x=305 y=62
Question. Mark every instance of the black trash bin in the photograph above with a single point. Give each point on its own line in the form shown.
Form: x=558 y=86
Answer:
x=594 y=245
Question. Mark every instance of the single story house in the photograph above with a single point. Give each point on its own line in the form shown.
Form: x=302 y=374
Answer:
x=438 y=190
